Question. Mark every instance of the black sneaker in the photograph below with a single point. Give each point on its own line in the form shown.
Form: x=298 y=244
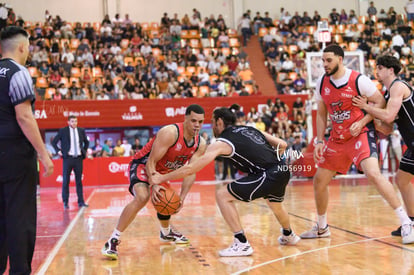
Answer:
x=109 y=250
x=396 y=232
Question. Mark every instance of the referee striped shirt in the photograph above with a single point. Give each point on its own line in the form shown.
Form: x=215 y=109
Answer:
x=16 y=86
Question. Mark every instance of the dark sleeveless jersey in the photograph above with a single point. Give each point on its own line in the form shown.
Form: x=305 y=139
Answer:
x=252 y=153
x=175 y=157
x=405 y=116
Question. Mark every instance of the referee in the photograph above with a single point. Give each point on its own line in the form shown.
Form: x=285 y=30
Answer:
x=19 y=140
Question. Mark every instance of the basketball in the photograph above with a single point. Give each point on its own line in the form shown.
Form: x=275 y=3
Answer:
x=169 y=201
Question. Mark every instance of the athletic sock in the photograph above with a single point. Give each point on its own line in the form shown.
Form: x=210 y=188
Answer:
x=116 y=234
x=240 y=236
x=165 y=230
x=402 y=215
x=322 y=221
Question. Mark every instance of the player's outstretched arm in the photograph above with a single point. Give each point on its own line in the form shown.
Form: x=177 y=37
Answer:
x=213 y=150
x=189 y=180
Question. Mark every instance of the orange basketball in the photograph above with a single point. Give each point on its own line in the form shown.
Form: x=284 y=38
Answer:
x=169 y=202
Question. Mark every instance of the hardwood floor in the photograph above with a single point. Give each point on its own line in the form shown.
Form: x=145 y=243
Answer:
x=69 y=242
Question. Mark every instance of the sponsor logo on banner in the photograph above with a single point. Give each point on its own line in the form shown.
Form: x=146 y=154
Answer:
x=40 y=114
x=85 y=113
x=172 y=112
x=115 y=167
x=132 y=114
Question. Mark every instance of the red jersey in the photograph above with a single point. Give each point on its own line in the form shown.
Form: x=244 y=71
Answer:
x=177 y=155
x=338 y=101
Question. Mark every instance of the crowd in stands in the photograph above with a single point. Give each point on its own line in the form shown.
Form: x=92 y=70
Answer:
x=193 y=56
x=286 y=40
x=121 y=59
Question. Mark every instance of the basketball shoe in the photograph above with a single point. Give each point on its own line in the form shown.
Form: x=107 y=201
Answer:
x=292 y=239
x=407 y=233
x=109 y=250
x=397 y=232
x=174 y=236
x=316 y=232
x=237 y=249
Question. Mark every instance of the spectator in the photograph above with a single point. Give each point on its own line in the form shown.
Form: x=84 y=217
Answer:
x=118 y=150
x=127 y=147
x=97 y=149
x=409 y=9
x=107 y=148
x=298 y=108
x=372 y=10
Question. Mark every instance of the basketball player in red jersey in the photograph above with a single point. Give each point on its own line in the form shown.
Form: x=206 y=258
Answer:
x=173 y=146
x=352 y=139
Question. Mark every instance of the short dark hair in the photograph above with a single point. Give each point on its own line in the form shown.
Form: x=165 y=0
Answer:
x=194 y=108
x=335 y=49
x=12 y=31
x=389 y=61
x=71 y=116
x=227 y=115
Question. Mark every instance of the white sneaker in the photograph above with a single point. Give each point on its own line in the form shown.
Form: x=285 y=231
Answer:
x=407 y=233
x=316 y=232
x=292 y=239
x=237 y=249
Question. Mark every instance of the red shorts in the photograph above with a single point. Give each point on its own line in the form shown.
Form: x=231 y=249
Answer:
x=339 y=156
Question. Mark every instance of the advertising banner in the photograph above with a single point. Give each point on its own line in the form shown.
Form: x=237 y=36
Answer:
x=106 y=171
x=131 y=113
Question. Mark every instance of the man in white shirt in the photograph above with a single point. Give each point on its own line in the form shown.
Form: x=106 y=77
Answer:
x=409 y=9
x=127 y=147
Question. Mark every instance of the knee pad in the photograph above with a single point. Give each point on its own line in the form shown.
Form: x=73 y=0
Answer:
x=163 y=217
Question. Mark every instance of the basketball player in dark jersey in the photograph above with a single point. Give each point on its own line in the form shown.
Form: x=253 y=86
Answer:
x=399 y=109
x=253 y=152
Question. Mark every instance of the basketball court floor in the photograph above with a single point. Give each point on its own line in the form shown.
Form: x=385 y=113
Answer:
x=69 y=241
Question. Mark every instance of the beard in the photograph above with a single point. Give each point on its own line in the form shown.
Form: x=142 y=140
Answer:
x=334 y=70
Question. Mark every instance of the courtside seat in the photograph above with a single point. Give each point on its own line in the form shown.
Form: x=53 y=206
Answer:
x=97 y=72
x=34 y=72
x=263 y=31
x=75 y=72
x=42 y=82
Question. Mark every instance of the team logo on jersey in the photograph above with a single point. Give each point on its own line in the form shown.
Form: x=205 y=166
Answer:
x=3 y=71
x=338 y=115
x=358 y=145
x=178 y=147
x=327 y=91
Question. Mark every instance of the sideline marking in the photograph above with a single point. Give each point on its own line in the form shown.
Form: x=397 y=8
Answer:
x=44 y=267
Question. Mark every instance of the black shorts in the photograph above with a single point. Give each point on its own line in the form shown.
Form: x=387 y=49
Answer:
x=137 y=173
x=271 y=184
x=407 y=161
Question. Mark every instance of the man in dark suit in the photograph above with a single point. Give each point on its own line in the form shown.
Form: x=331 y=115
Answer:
x=73 y=146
